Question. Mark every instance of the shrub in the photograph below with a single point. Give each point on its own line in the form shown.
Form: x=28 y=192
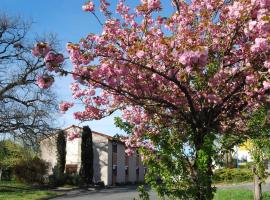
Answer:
x=31 y=170
x=143 y=193
x=86 y=171
x=100 y=184
x=232 y=175
x=6 y=175
x=57 y=178
x=246 y=165
x=61 y=151
x=74 y=179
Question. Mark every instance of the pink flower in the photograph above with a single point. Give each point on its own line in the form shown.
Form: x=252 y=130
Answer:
x=91 y=92
x=73 y=136
x=267 y=64
x=53 y=60
x=184 y=58
x=261 y=44
x=64 y=106
x=250 y=79
x=235 y=10
x=154 y=4
x=129 y=151
x=59 y=58
x=266 y=85
x=52 y=57
x=140 y=54
x=264 y=3
x=74 y=87
x=45 y=81
x=88 y=7
x=212 y=98
x=90 y=113
x=41 y=49
x=251 y=25
x=194 y=57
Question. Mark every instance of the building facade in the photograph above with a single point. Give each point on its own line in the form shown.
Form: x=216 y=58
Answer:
x=110 y=163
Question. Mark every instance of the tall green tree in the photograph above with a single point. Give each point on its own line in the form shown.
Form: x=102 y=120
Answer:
x=61 y=152
x=259 y=148
x=168 y=164
x=10 y=154
x=86 y=171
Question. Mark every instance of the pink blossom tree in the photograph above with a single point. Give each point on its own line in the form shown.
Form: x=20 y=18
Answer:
x=199 y=70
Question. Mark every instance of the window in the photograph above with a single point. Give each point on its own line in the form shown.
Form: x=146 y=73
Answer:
x=126 y=160
x=145 y=170
x=126 y=170
x=114 y=147
x=114 y=170
x=71 y=169
x=137 y=170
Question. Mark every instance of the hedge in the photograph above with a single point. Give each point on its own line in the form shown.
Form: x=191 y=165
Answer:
x=232 y=175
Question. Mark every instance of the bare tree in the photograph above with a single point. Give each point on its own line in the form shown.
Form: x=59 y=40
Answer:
x=26 y=111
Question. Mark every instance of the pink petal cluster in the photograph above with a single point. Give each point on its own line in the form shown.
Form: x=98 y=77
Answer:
x=236 y=9
x=129 y=151
x=261 y=45
x=198 y=57
x=41 y=49
x=261 y=3
x=88 y=7
x=73 y=135
x=140 y=54
x=266 y=85
x=44 y=81
x=64 y=106
x=213 y=98
x=152 y=4
x=53 y=60
x=90 y=113
x=250 y=79
x=267 y=64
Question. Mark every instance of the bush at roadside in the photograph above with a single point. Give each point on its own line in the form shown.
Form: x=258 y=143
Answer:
x=31 y=170
x=234 y=175
x=60 y=179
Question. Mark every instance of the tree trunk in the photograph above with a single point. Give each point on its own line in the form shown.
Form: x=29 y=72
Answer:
x=257 y=187
x=226 y=160
x=202 y=169
x=203 y=184
x=1 y=171
x=230 y=160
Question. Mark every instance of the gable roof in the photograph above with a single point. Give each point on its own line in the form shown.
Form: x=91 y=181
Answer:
x=93 y=132
x=74 y=126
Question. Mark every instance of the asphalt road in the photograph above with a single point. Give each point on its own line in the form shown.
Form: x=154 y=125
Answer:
x=117 y=193
x=265 y=187
x=129 y=192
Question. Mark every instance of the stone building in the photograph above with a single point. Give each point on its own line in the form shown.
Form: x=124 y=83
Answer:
x=111 y=165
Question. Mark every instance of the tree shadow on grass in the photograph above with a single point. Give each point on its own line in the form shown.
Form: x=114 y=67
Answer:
x=14 y=189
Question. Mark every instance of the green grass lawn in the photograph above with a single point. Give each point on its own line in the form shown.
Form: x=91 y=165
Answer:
x=10 y=190
x=242 y=194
